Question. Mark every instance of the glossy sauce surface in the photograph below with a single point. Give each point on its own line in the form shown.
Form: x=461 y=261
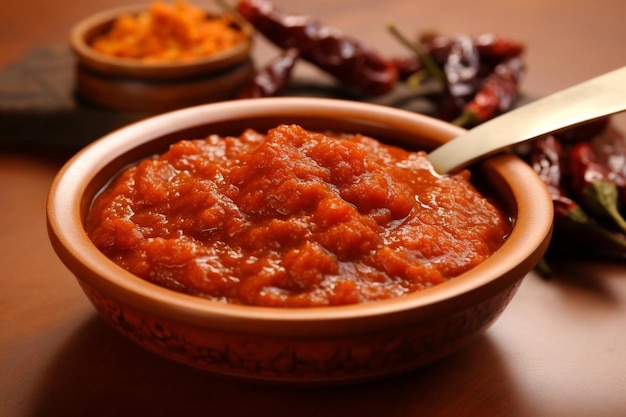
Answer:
x=294 y=219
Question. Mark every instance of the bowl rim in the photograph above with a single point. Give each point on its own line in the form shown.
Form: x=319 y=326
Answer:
x=530 y=234
x=134 y=68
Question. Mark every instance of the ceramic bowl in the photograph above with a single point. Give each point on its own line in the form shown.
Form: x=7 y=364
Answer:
x=306 y=345
x=136 y=85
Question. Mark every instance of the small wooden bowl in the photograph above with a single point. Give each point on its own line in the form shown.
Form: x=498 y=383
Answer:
x=131 y=84
x=296 y=345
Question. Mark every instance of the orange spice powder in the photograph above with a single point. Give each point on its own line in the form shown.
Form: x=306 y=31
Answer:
x=169 y=32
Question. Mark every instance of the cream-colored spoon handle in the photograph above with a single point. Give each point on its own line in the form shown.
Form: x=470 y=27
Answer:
x=592 y=99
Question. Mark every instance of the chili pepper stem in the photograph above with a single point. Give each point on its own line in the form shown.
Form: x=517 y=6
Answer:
x=578 y=220
x=466 y=118
x=416 y=79
x=427 y=60
x=602 y=196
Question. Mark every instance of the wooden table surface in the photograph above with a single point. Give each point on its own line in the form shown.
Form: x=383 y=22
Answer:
x=558 y=350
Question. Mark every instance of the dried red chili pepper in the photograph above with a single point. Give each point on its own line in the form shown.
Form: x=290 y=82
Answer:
x=480 y=73
x=493 y=49
x=496 y=94
x=610 y=149
x=272 y=78
x=497 y=48
x=461 y=68
x=548 y=160
x=347 y=59
x=592 y=183
x=609 y=146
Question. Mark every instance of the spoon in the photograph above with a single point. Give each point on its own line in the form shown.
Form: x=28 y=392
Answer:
x=589 y=100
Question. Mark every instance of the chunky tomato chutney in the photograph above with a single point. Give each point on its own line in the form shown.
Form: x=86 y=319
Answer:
x=294 y=218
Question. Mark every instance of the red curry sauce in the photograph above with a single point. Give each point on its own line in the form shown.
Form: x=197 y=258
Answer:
x=294 y=219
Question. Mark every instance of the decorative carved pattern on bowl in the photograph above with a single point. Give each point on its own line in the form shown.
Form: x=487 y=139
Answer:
x=285 y=359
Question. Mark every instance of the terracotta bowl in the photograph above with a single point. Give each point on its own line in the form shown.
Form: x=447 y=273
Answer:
x=307 y=345
x=131 y=84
